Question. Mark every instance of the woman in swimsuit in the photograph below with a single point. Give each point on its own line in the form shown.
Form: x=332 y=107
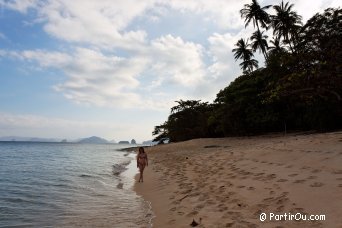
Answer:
x=142 y=162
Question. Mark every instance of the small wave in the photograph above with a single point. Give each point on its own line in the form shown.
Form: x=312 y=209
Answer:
x=119 y=168
x=150 y=214
x=86 y=175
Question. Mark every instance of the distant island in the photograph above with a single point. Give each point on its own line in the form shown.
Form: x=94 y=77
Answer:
x=93 y=140
x=90 y=140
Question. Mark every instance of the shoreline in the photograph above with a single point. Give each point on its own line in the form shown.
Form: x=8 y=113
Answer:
x=228 y=182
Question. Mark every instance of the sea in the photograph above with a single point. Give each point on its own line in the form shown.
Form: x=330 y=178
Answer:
x=69 y=185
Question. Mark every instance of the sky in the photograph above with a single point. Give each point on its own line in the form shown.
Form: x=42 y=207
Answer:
x=74 y=69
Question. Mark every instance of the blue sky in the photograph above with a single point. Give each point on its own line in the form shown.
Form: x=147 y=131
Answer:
x=73 y=69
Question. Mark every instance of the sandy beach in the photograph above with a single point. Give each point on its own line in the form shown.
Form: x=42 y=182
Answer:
x=229 y=182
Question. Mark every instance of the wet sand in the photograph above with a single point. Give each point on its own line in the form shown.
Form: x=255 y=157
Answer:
x=229 y=182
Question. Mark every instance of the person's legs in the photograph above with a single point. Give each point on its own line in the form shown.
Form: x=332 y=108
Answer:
x=142 y=174
x=141 y=169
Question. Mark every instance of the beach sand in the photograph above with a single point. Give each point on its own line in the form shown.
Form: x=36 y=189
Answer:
x=229 y=182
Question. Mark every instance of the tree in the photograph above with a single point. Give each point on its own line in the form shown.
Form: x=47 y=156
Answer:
x=248 y=65
x=254 y=12
x=259 y=42
x=188 y=120
x=244 y=52
x=286 y=23
x=276 y=48
x=161 y=132
x=295 y=91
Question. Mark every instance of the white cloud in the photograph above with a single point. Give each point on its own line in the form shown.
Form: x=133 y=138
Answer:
x=100 y=23
x=45 y=58
x=220 y=50
x=111 y=64
x=222 y=12
x=102 y=79
x=104 y=23
x=19 y=5
x=93 y=78
x=177 y=61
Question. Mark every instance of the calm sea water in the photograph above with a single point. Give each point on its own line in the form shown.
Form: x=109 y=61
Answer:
x=68 y=185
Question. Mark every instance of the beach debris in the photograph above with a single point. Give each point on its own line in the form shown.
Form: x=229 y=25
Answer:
x=183 y=197
x=212 y=146
x=194 y=223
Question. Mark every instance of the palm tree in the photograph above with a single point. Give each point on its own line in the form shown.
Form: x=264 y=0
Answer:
x=259 y=42
x=276 y=48
x=286 y=23
x=254 y=12
x=249 y=65
x=244 y=52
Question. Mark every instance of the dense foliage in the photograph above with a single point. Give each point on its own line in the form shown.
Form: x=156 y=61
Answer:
x=299 y=88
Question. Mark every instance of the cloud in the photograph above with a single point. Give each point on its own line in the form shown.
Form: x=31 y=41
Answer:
x=177 y=61
x=92 y=77
x=99 y=23
x=105 y=24
x=103 y=79
x=19 y=5
x=225 y=14
x=110 y=62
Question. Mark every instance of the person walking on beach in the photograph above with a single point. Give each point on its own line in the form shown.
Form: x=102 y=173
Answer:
x=142 y=162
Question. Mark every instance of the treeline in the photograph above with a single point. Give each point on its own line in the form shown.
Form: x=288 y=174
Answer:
x=299 y=88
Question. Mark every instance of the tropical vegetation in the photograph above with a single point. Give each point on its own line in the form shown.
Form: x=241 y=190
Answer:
x=298 y=89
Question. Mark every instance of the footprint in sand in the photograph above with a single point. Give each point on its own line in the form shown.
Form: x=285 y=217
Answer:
x=317 y=184
x=251 y=188
x=210 y=202
x=299 y=181
x=337 y=172
x=222 y=207
x=280 y=208
x=230 y=224
x=282 y=180
x=191 y=214
x=316 y=171
x=297 y=210
x=171 y=221
x=312 y=177
x=293 y=175
x=199 y=207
